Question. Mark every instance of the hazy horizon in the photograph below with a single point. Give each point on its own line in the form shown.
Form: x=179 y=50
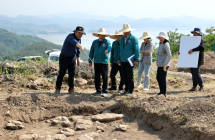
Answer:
x=136 y=9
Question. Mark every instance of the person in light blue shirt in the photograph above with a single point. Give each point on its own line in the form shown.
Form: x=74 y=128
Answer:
x=114 y=62
x=128 y=46
x=99 y=53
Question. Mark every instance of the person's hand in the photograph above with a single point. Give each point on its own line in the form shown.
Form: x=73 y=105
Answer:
x=111 y=64
x=80 y=46
x=179 y=53
x=106 y=51
x=147 y=51
x=164 y=68
x=90 y=64
x=135 y=63
x=78 y=62
x=190 y=51
x=119 y=63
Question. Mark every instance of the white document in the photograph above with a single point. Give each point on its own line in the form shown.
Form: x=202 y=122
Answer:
x=131 y=60
x=187 y=43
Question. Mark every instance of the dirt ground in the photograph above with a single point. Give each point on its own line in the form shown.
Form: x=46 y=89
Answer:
x=182 y=115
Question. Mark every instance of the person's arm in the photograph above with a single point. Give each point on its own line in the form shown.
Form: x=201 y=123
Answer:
x=91 y=54
x=136 y=50
x=112 y=54
x=149 y=51
x=169 y=55
x=141 y=49
x=109 y=48
x=78 y=52
x=201 y=46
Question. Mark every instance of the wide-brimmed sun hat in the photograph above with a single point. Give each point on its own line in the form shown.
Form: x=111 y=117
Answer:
x=79 y=29
x=163 y=35
x=116 y=33
x=101 y=31
x=126 y=28
x=197 y=30
x=145 y=35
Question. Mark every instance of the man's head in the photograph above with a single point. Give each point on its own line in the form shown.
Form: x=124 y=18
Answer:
x=118 y=37
x=101 y=37
x=126 y=34
x=196 y=34
x=78 y=35
x=79 y=31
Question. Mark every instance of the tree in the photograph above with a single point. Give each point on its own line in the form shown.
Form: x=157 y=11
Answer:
x=210 y=39
x=174 y=39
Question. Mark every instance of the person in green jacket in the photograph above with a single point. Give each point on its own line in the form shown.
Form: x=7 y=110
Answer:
x=99 y=51
x=128 y=46
x=114 y=62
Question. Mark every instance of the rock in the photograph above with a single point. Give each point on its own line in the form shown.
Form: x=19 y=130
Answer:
x=25 y=137
x=100 y=128
x=106 y=117
x=67 y=132
x=7 y=65
x=54 y=73
x=9 y=77
x=39 y=82
x=65 y=123
x=75 y=117
x=100 y=124
x=47 y=121
x=11 y=126
x=93 y=134
x=55 y=122
x=85 y=137
x=34 y=87
x=106 y=111
x=82 y=124
x=90 y=82
x=14 y=125
x=80 y=82
x=64 y=118
x=59 y=137
x=122 y=127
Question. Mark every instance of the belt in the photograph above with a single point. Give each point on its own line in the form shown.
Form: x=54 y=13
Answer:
x=66 y=55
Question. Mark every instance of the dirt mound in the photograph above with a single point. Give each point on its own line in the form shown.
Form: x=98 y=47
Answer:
x=182 y=118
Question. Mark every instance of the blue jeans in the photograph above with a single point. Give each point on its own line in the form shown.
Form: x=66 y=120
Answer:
x=146 y=68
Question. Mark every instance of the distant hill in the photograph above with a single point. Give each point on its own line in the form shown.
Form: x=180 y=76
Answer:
x=11 y=43
x=38 y=49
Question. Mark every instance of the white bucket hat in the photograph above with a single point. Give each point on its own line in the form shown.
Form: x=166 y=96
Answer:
x=101 y=31
x=126 y=28
x=145 y=35
x=116 y=33
x=163 y=35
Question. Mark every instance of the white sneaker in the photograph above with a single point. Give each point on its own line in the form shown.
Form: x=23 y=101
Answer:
x=139 y=86
x=146 y=88
x=104 y=94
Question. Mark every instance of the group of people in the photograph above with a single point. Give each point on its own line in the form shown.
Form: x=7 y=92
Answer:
x=122 y=49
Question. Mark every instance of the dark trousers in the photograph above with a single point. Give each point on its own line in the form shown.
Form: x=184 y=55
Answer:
x=161 y=78
x=101 y=69
x=197 y=78
x=127 y=74
x=115 y=68
x=64 y=64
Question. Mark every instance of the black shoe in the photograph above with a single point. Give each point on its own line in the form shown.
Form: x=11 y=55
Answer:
x=201 y=89
x=124 y=93
x=97 y=93
x=112 y=88
x=192 y=89
x=162 y=93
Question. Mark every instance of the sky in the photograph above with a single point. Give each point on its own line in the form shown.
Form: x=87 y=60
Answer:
x=131 y=8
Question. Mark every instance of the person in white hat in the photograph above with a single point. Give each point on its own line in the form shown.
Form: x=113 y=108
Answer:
x=146 y=50
x=114 y=62
x=99 y=51
x=128 y=47
x=163 y=61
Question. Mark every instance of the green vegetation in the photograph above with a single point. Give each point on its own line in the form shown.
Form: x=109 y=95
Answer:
x=11 y=43
x=14 y=46
x=174 y=38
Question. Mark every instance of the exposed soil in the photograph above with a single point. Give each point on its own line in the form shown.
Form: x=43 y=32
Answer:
x=182 y=115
